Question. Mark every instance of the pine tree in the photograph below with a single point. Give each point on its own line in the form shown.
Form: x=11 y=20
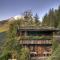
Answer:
x=37 y=19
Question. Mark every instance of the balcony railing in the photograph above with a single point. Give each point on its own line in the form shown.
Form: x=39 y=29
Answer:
x=36 y=38
x=39 y=58
x=35 y=42
x=12 y=59
x=36 y=27
x=44 y=53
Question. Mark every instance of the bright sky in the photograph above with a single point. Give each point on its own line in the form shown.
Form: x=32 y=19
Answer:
x=9 y=8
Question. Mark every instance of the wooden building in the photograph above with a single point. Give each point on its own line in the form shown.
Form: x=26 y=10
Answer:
x=38 y=40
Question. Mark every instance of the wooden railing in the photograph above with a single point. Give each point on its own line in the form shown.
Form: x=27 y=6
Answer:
x=36 y=27
x=12 y=59
x=44 y=53
x=35 y=42
x=36 y=38
x=39 y=58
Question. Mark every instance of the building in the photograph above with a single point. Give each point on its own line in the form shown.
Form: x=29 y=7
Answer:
x=38 y=40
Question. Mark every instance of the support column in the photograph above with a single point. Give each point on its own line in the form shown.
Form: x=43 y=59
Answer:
x=25 y=33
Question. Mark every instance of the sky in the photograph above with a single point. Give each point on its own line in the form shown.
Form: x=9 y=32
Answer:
x=10 y=8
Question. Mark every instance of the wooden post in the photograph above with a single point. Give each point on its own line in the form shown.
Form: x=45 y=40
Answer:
x=25 y=33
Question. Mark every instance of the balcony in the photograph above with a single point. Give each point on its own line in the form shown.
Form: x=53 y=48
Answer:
x=36 y=38
x=39 y=28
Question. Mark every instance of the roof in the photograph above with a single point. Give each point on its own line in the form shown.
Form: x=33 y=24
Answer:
x=33 y=28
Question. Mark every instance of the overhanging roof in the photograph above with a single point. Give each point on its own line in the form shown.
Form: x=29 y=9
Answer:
x=39 y=29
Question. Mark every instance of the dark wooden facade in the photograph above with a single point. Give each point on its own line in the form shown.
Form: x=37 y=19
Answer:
x=38 y=40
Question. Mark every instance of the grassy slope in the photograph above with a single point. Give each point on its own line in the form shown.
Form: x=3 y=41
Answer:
x=3 y=29
x=2 y=37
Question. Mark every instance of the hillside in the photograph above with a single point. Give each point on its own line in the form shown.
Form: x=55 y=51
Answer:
x=3 y=29
x=2 y=37
x=3 y=25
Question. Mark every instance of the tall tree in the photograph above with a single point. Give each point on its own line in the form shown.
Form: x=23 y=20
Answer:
x=50 y=19
x=37 y=19
x=45 y=20
x=28 y=18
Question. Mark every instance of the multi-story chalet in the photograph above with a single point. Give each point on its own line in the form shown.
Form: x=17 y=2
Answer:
x=38 y=40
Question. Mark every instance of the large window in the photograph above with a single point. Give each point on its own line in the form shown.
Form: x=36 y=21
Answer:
x=38 y=33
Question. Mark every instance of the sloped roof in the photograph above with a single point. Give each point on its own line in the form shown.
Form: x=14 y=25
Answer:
x=38 y=28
